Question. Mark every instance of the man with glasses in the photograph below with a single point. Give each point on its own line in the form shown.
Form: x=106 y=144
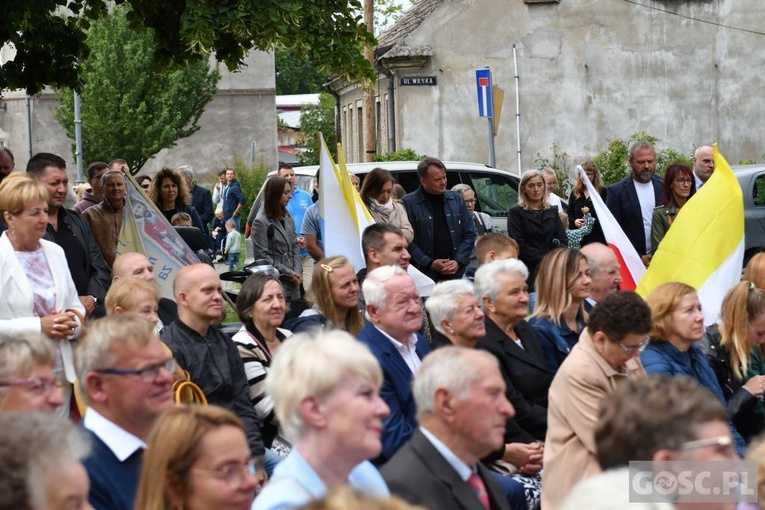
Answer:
x=606 y=355
x=210 y=357
x=126 y=379
x=684 y=422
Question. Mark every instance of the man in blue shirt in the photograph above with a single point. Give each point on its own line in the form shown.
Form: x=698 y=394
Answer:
x=233 y=198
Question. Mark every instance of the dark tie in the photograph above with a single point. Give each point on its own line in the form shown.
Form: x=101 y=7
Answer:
x=475 y=483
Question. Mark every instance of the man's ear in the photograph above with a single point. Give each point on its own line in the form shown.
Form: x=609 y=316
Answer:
x=374 y=256
x=180 y=298
x=372 y=311
x=95 y=388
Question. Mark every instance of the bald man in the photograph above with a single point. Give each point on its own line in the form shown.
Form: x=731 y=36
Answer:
x=137 y=265
x=703 y=165
x=201 y=348
x=604 y=272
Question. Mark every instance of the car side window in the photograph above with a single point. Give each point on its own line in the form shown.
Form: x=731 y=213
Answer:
x=758 y=190
x=496 y=193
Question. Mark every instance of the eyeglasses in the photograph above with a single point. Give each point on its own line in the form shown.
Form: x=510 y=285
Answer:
x=39 y=385
x=470 y=201
x=234 y=475
x=684 y=181
x=637 y=349
x=147 y=374
x=703 y=443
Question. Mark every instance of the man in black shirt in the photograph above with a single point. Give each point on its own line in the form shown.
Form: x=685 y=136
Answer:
x=67 y=229
x=444 y=233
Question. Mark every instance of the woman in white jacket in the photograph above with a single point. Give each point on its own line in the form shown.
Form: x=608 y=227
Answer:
x=38 y=292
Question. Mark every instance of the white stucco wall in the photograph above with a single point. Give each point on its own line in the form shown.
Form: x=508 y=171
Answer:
x=589 y=72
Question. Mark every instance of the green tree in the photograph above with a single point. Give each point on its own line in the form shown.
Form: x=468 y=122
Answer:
x=50 y=40
x=315 y=119
x=129 y=109
x=295 y=75
x=613 y=161
x=400 y=155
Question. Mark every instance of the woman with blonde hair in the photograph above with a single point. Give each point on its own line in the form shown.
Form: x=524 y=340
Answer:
x=729 y=346
x=580 y=198
x=755 y=270
x=197 y=458
x=534 y=224
x=326 y=396
x=563 y=283
x=678 y=325
x=39 y=295
x=336 y=288
x=376 y=193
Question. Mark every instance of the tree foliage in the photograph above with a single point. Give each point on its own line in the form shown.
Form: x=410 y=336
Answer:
x=315 y=119
x=295 y=75
x=129 y=109
x=50 y=41
x=613 y=161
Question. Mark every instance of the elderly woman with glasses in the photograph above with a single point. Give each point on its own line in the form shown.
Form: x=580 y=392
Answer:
x=326 y=396
x=26 y=373
x=678 y=325
x=679 y=186
x=605 y=356
x=197 y=458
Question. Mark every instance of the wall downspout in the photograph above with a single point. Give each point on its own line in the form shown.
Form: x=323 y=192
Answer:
x=391 y=106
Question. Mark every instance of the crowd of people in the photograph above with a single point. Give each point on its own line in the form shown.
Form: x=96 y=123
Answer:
x=526 y=379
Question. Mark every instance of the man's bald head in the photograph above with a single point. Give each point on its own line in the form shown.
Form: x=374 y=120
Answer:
x=604 y=270
x=704 y=163
x=197 y=289
x=133 y=264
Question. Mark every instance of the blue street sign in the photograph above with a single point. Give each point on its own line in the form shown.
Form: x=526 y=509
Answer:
x=483 y=84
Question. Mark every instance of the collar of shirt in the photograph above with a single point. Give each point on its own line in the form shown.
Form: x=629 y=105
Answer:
x=462 y=469
x=122 y=443
x=409 y=346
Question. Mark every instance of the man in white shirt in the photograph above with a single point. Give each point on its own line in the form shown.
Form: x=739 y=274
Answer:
x=393 y=318
x=461 y=419
x=126 y=377
x=703 y=165
x=633 y=199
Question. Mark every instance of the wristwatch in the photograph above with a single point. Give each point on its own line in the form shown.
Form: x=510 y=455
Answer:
x=95 y=300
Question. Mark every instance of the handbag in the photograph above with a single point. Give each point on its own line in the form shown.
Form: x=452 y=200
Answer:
x=186 y=392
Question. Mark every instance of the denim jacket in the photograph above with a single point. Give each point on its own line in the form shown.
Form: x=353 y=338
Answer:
x=461 y=229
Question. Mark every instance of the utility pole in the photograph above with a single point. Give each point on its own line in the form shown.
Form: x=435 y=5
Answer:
x=370 y=131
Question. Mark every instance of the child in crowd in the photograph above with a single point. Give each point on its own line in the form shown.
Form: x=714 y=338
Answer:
x=575 y=235
x=233 y=246
x=216 y=230
x=181 y=219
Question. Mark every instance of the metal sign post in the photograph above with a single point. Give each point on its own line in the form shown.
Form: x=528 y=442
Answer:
x=486 y=107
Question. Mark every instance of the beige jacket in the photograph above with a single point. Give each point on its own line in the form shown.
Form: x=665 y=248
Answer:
x=582 y=381
x=106 y=223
